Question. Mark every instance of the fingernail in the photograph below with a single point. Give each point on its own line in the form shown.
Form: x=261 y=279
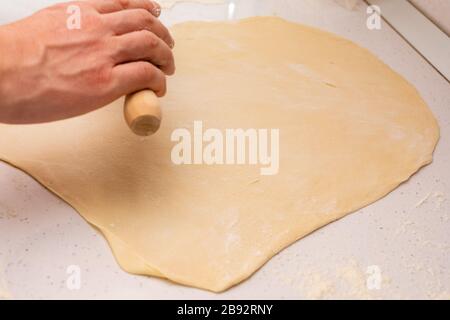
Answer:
x=156 y=11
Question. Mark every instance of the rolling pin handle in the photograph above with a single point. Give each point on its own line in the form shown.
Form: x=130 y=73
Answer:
x=142 y=112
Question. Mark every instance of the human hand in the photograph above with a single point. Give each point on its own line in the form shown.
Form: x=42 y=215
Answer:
x=49 y=71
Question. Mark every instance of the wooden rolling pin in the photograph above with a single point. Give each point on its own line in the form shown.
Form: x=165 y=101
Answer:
x=142 y=112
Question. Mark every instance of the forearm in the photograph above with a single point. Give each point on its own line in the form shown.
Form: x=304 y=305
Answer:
x=3 y=73
x=22 y=78
x=14 y=88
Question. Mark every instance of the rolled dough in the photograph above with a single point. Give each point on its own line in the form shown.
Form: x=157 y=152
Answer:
x=351 y=130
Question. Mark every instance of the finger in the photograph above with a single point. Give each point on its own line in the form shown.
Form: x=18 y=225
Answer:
x=126 y=21
x=136 y=76
x=108 y=6
x=143 y=45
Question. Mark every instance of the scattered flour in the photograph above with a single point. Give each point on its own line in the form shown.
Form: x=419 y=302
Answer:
x=318 y=286
x=423 y=200
x=347 y=281
x=7 y=212
x=437 y=197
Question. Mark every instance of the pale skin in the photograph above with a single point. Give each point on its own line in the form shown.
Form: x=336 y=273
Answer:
x=50 y=72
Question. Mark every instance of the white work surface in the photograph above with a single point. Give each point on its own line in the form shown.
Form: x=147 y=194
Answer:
x=406 y=238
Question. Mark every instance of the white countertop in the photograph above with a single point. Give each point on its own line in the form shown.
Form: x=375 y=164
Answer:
x=405 y=236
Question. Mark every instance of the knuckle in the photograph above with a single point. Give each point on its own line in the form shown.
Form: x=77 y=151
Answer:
x=96 y=20
x=149 y=38
x=85 y=7
x=154 y=78
x=93 y=20
x=103 y=22
x=146 y=71
x=116 y=51
x=100 y=77
x=145 y=17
